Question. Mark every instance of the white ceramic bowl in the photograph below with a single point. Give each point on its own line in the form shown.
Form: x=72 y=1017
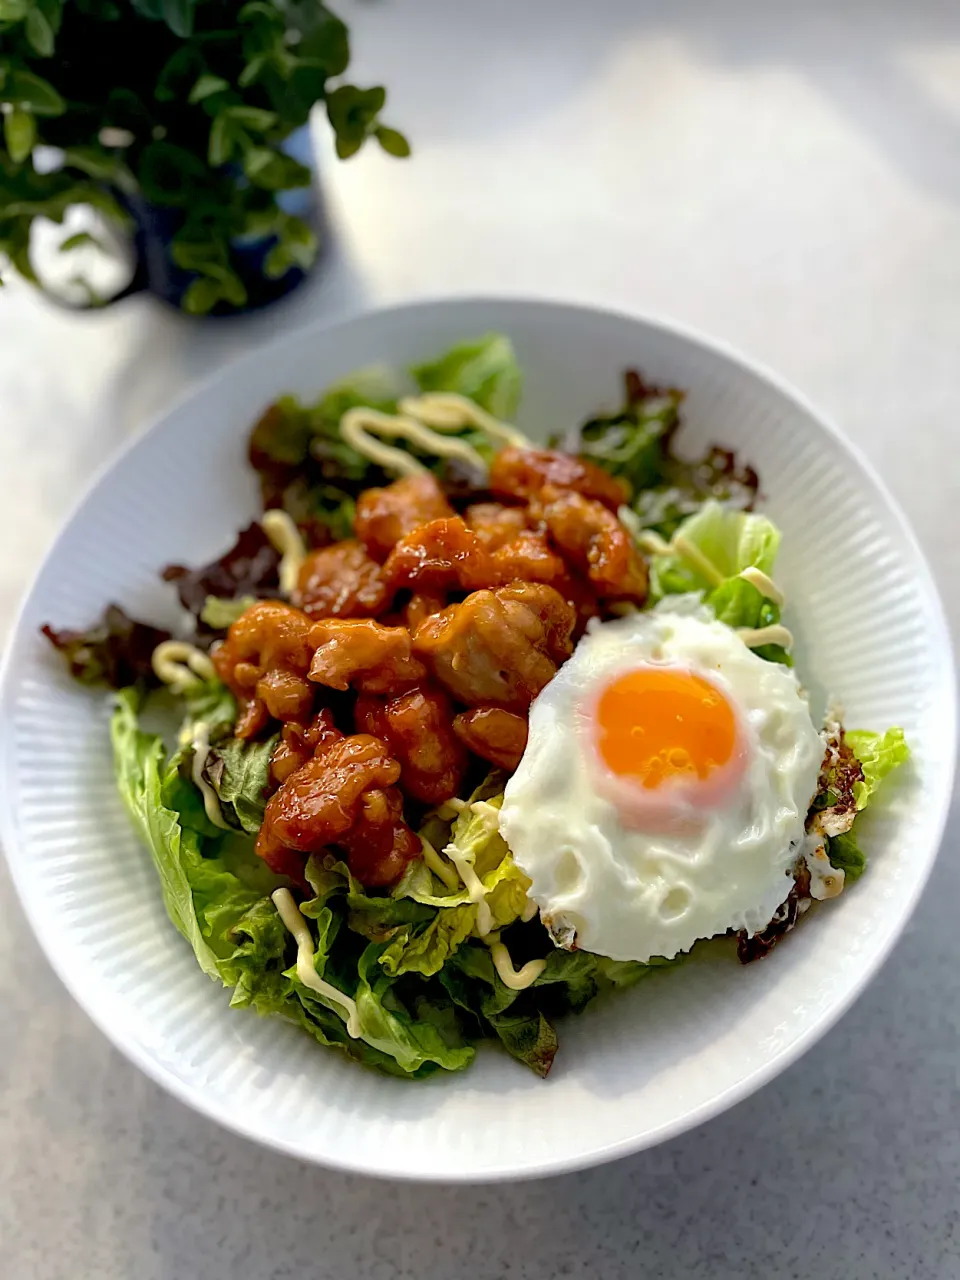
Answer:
x=637 y=1068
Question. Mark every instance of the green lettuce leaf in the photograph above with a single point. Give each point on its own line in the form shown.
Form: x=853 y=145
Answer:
x=485 y=371
x=710 y=549
x=524 y=1031
x=240 y=940
x=528 y=1036
x=178 y=794
x=304 y=464
x=583 y=975
x=218 y=613
x=474 y=836
x=505 y=885
x=373 y=388
x=846 y=855
x=203 y=898
x=878 y=753
x=427 y=948
x=636 y=444
x=239 y=772
x=255 y=966
x=412 y=1039
x=405 y=1027
x=721 y=542
x=210 y=702
x=523 y=1020
x=633 y=443
x=376 y=919
x=738 y=603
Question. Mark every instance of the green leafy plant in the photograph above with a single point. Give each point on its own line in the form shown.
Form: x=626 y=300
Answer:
x=179 y=104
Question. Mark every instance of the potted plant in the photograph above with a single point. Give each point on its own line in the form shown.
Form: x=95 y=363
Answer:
x=174 y=120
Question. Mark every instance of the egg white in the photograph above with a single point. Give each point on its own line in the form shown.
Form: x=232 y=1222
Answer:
x=631 y=893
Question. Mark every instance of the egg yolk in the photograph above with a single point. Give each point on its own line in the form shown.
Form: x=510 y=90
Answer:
x=655 y=724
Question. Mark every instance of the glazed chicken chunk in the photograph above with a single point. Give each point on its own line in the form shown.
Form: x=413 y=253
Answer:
x=344 y=796
x=443 y=555
x=364 y=655
x=498 y=647
x=525 y=473
x=418 y=727
x=595 y=544
x=493 y=734
x=494 y=524
x=384 y=516
x=448 y=556
x=264 y=662
x=341 y=581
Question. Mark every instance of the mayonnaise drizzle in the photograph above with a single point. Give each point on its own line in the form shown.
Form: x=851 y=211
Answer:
x=764 y=584
x=356 y=427
x=447 y=411
x=200 y=737
x=515 y=979
x=179 y=664
x=452 y=807
x=288 y=542
x=422 y=420
x=474 y=887
x=442 y=870
x=488 y=813
x=752 y=637
x=466 y=874
x=289 y=913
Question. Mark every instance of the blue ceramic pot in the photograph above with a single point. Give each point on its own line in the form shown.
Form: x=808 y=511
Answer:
x=156 y=225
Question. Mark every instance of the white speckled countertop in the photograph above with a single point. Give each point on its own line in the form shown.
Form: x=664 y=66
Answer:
x=785 y=176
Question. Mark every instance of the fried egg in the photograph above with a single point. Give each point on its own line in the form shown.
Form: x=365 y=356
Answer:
x=664 y=788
